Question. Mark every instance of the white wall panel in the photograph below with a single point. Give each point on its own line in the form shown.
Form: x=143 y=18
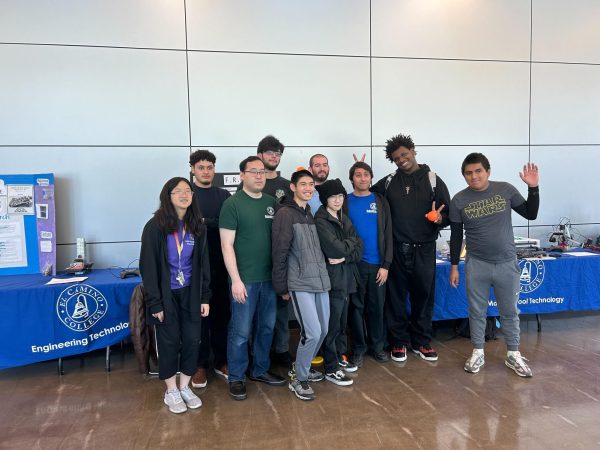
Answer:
x=566 y=31
x=311 y=26
x=90 y=96
x=102 y=194
x=451 y=102
x=134 y=23
x=304 y=100
x=565 y=104
x=569 y=183
x=474 y=29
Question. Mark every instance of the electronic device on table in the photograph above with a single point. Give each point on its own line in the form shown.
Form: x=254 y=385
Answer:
x=80 y=265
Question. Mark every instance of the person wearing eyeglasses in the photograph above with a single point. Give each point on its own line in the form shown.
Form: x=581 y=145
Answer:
x=175 y=270
x=270 y=151
x=245 y=225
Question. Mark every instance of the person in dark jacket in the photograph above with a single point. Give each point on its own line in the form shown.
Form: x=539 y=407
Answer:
x=343 y=249
x=175 y=271
x=300 y=274
x=413 y=193
x=371 y=217
x=210 y=199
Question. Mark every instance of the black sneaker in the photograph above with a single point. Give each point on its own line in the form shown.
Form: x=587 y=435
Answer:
x=347 y=365
x=237 y=390
x=426 y=352
x=269 y=378
x=380 y=357
x=339 y=378
x=357 y=359
x=399 y=353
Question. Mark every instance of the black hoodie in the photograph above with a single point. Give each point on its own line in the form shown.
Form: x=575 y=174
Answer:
x=410 y=197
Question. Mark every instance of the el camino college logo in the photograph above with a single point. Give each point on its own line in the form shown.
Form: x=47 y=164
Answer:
x=80 y=306
x=532 y=274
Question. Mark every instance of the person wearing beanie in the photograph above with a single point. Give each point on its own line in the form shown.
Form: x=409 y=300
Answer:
x=343 y=250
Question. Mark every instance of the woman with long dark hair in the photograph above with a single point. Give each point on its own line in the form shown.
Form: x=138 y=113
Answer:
x=175 y=271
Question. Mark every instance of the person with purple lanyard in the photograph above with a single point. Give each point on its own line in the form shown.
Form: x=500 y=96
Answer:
x=175 y=270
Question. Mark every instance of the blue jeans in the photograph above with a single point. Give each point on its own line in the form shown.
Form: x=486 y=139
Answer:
x=259 y=311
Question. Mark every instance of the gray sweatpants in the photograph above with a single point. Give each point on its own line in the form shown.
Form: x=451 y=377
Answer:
x=504 y=278
x=312 y=313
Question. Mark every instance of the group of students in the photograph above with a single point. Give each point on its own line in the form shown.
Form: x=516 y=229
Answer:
x=336 y=258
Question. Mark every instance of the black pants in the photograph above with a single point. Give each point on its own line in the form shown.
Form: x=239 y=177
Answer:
x=178 y=335
x=335 y=342
x=281 y=332
x=366 y=307
x=214 y=327
x=412 y=273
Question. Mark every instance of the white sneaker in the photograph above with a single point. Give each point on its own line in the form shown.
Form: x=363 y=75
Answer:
x=191 y=400
x=516 y=362
x=174 y=401
x=475 y=362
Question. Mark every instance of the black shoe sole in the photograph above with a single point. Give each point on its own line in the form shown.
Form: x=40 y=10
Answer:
x=270 y=383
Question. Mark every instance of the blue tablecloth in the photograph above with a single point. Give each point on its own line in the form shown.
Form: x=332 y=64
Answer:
x=40 y=322
x=568 y=283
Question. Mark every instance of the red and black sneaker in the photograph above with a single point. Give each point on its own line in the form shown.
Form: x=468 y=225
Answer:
x=399 y=353
x=426 y=352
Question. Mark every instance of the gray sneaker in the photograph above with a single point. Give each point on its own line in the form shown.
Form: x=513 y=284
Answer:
x=475 y=362
x=174 y=401
x=313 y=375
x=302 y=389
x=191 y=400
x=517 y=363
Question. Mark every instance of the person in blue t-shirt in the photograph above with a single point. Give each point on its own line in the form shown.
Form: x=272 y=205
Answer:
x=370 y=215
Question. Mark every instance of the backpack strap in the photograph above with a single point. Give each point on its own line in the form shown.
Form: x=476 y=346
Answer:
x=388 y=180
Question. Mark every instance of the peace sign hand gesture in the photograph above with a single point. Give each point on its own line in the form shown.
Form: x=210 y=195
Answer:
x=434 y=215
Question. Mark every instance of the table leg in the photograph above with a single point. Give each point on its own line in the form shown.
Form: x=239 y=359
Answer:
x=61 y=370
x=107 y=366
x=539 y=322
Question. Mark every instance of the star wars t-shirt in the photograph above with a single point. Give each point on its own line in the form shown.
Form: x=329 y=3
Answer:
x=486 y=217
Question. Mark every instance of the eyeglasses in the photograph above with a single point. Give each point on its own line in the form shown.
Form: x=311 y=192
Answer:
x=255 y=172
x=272 y=153
x=180 y=192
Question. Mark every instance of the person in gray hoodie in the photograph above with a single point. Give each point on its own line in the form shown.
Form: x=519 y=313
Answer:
x=300 y=275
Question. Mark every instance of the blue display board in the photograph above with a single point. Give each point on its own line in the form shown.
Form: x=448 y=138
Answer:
x=27 y=224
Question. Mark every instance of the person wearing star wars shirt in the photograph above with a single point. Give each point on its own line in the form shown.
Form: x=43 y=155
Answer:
x=174 y=266
x=484 y=210
x=245 y=225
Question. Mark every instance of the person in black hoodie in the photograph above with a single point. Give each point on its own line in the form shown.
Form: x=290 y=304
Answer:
x=343 y=250
x=414 y=193
x=175 y=271
x=299 y=275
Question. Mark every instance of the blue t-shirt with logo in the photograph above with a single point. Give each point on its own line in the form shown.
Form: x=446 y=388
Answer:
x=363 y=214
